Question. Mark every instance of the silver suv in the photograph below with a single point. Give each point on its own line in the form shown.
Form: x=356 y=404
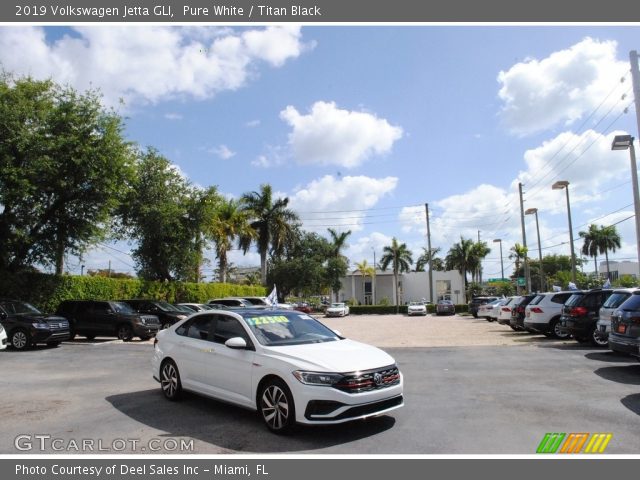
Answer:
x=616 y=299
x=542 y=315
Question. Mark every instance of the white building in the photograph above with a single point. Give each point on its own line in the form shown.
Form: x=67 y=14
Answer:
x=617 y=269
x=412 y=287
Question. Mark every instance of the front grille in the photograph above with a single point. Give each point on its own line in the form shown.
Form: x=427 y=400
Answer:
x=369 y=380
x=58 y=325
x=151 y=320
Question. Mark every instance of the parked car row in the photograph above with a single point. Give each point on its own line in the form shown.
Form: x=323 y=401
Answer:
x=603 y=317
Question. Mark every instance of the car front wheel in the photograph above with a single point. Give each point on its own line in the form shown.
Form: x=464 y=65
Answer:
x=170 y=381
x=20 y=340
x=276 y=407
x=125 y=333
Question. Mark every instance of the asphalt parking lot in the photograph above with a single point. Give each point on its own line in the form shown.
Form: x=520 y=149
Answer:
x=497 y=392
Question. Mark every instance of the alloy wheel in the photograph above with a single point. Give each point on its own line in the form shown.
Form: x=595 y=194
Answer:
x=275 y=407
x=170 y=381
x=19 y=340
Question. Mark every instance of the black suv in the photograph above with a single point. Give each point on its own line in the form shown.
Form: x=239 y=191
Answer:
x=94 y=318
x=476 y=302
x=625 y=326
x=518 y=312
x=166 y=313
x=580 y=314
x=26 y=325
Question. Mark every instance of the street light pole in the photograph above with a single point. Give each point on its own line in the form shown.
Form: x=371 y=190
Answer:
x=559 y=185
x=499 y=240
x=373 y=285
x=541 y=271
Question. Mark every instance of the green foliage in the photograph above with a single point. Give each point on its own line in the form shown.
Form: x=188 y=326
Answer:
x=399 y=257
x=47 y=291
x=626 y=281
x=384 y=301
x=474 y=289
x=64 y=168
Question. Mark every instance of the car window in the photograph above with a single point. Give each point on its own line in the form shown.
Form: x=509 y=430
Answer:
x=592 y=301
x=201 y=327
x=574 y=300
x=632 y=303
x=560 y=298
x=121 y=307
x=536 y=300
x=227 y=327
x=616 y=299
x=284 y=328
x=101 y=307
x=13 y=308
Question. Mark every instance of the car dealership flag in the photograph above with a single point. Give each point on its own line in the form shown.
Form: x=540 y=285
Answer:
x=272 y=299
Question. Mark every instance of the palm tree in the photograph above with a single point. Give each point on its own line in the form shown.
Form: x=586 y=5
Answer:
x=460 y=257
x=338 y=241
x=229 y=223
x=479 y=251
x=590 y=246
x=518 y=253
x=609 y=240
x=399 y=256
x=426 y=257
x=365 y=270
x=274 y=224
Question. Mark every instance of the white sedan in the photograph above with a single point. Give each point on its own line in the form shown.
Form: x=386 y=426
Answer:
x=337 y=310
x=416 y=308
x=286 y=365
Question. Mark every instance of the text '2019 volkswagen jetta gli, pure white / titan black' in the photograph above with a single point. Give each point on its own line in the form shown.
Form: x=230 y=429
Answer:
x=282 y=363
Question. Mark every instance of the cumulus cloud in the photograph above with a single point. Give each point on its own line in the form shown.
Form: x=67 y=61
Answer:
x=335 y=202
x=252 y=123
x=222 y=151
x=561 y=88
x=149 y=64
x=363 y=248
x=328 y=135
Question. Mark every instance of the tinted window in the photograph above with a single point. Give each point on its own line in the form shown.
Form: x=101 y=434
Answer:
x=226 y=328
x=632 y=303
x=200 y=327
x=121 y=307
x=560 y=297
x=101 y=307
x=18 y=307
x=536 y=300
x=616 y=299
x=574 y=300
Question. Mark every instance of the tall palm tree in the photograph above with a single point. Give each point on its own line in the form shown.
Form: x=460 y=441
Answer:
x=399 y=256
x=274 y=224
x=479 y=252
x=426 y=257
x=338 y=241
x=591 y=243
x=460 y=257
x=609 y=240
x=365 y=270
x=518 y=254
x=229 y=223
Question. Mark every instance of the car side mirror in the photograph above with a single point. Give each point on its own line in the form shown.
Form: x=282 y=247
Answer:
x=237 y=343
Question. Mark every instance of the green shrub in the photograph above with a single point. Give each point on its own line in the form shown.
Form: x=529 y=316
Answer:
x=47 y=291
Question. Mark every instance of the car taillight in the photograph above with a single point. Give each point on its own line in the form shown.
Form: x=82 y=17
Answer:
x=506 y=309
x=536 y=310
x=578 y=311
x=520 y=309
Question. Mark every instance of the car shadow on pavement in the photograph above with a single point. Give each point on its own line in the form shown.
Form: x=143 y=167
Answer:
x=629 y=375
x=609 y=356
x=632 y=402
x=234 y=428
x=570 y=345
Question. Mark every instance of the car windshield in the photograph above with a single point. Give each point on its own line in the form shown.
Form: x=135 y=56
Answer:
x=445 y=302
x=284 y=328
x=18 y=308
x=632 y=303
x=167 y=307
x=616 y=299
x=415 y=304
x=337 y=305
x=121 y=307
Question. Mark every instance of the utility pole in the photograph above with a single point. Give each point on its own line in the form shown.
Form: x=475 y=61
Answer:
x=524 y=241
x=109 y=271
x=426 y=209
x=635 y=80
x=479 y=266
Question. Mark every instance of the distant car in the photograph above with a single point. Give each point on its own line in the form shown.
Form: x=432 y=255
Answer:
x=183 y=308
x=25 y=325
x=233 y=302
x=542 y=315
x=504 y=316
x=416 y=308
x=196 y=307
x=489 y=311
x=475 y=303
x=166 y=313
x=617 y=298
x=625 y=326
x=337 y=310
x=580 y=315
x=263 y=302
x=94 y=318
x=303 y=307
x=518 y=311
x=445 y=307
x=3 y=338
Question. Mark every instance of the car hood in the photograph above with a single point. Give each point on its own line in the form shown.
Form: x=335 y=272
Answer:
x=40 y=317
x=341 y=356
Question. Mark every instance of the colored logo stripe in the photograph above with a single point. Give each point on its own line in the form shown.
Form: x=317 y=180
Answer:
x=550 y=443
x=574 y=442
x=598 y=443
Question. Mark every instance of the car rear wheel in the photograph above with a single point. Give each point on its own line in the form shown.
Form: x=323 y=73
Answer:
x=556 y=330
x=20 y=340
x=165 y=325
x=597 y=340
x=276 y=406
x=170 y=381
x=125 y=333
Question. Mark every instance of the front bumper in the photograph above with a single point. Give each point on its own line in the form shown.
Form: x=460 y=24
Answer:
x=46 y=336
x=416 y=312
x=142 y=330
x=326 y=405
x=626 y=345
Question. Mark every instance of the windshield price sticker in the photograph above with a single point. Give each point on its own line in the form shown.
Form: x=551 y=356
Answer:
x=267 y=319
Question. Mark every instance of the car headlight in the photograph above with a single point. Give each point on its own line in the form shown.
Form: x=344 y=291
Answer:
x=317 y=378
x=42 y=326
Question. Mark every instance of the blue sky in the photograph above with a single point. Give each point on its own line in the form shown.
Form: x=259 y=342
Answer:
x=361 y=125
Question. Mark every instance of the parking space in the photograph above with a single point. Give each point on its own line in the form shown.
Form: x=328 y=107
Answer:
x=498 y=396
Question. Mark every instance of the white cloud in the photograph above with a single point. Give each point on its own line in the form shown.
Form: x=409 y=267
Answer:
x=261 y=162
x=562 y=88
x=173 y=116
x=363 y=248
x=328 y=135
x=252 y=123
x=222 y=151
x=334 y=202
x=148 y=64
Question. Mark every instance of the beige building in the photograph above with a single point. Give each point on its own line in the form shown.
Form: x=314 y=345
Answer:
x=412 y=287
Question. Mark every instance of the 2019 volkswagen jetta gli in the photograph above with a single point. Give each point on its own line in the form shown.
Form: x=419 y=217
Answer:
x=282 y=363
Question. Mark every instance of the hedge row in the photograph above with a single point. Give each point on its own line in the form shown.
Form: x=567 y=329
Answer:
x=387 y=309
x=47 y=291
